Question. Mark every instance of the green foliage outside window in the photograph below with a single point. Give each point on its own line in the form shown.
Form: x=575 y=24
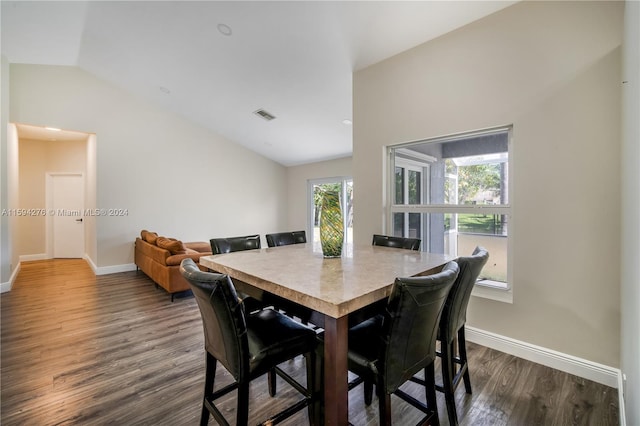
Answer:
x=476 y=184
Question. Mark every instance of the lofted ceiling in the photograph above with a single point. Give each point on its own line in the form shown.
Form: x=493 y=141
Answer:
x=217 y=62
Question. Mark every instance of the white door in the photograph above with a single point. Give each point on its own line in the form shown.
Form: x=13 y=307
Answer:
x=68 y=222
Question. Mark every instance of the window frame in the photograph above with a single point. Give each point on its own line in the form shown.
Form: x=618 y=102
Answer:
x=488 y=289
x=409 y=165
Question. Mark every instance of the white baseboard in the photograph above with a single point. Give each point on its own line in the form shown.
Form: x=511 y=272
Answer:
x=29 y=257
x=621 y=410
x=104 y=270
x=599 y=373
x=114 y=269
x=5 y=287
x=91 y=263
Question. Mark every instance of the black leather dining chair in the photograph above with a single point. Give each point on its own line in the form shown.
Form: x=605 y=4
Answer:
x=389 y=349
x=289 y=308
x=451 y=328
x=399 y=242
x=252 y=242
x=231 y=244
x=248 y=345
x=251 y=304
x=286 y=238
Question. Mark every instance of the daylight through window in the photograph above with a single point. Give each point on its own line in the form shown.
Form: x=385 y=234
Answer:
x=344 y=185
x=453 y=194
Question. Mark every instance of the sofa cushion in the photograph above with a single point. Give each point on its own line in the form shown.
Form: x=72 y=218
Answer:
x=149 y=237
x=174 y=246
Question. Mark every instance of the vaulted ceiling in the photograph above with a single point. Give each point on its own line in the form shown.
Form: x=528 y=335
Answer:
x=218 y=62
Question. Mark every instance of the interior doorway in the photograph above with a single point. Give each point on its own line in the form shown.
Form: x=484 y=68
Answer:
x=65 y=228
x=56 y=175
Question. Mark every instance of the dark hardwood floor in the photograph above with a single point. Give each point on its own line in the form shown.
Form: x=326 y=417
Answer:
x=77 y=349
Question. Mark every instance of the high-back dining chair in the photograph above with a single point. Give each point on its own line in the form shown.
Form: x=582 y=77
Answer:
x=290 y=309
x=454 y=317
x=391 y=348
x=231 y=244
x=399 y=242
x=286 y=238
x=252 y=242
x=248 y=345
x=251 y=304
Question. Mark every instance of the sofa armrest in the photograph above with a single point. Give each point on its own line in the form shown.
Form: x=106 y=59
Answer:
x=174 y=260
x=199 y=246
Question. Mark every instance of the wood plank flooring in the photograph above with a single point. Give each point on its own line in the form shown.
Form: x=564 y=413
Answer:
x=77 y=349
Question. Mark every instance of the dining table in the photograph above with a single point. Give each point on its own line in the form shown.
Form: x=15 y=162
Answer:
x=334 y=289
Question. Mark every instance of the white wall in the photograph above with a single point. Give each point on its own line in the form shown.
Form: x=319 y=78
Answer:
x=297 y=179
x=5 y=249
x=552 y=69
x=173 y=177
x=8 y=172
x=90 y=200
x=630 y=290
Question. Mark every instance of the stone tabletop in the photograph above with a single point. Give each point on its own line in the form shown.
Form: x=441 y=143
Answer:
x=334 y=287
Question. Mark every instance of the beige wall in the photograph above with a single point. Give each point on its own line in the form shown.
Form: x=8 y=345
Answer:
x=297 y=180
x=173 y=177
x=552 y=69
x=36 y=159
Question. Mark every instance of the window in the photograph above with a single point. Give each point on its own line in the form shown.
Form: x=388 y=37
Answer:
x=345 y=186
x=453 y=194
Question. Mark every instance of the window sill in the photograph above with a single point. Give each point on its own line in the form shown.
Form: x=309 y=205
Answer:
x=493 y=290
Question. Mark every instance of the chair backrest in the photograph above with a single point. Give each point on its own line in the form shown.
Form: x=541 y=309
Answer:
x=410 y=324
x=223 y=321
x=454 y=315
x=286 y=238
x=399 y=242
x=230 y=244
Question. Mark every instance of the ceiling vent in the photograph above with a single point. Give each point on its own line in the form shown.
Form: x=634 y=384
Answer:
x=264 y=114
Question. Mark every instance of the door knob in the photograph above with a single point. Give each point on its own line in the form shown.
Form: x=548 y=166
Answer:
x=79 y=220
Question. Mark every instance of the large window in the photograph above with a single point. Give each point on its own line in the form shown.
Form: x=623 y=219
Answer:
x=453 y=194
x=316 y=186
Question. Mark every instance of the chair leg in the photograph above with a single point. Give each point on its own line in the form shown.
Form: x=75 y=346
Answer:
x=271 y=382
x=242 y=411
x=447 y=380
x=313 y=407
x=430 y=392
x=368 y=392
x=318 y=377
x=384 y=406
x=462 y=350
x=210 y=376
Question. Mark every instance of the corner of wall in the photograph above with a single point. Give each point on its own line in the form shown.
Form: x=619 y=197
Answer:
x=5 y=240
x=6 y=286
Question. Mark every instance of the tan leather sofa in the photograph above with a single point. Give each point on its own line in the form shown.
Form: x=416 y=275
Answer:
x=160 y=257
